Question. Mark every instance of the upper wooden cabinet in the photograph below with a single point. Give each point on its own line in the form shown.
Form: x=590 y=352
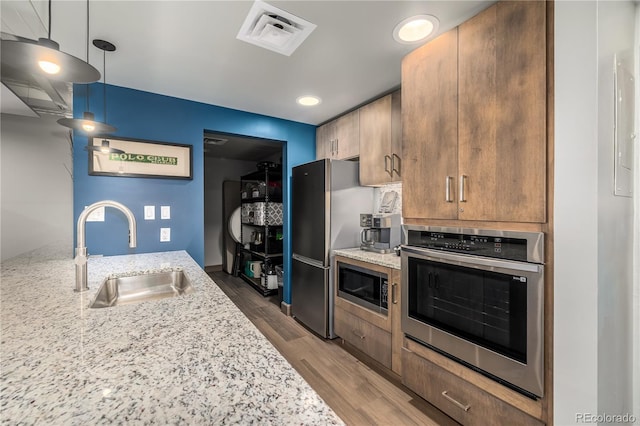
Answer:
x=381 y=141
x=430 y=128
x=339 y=139
x=474 y=119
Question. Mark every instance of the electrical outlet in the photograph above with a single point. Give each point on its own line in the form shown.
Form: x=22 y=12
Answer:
x=165 y=234
x=97 y=215
x=149 y=212
x=165 y=212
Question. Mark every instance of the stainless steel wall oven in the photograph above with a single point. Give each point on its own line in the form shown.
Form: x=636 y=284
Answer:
x=477 y=296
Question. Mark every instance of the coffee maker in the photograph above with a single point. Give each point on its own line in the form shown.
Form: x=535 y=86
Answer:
x=380 y=232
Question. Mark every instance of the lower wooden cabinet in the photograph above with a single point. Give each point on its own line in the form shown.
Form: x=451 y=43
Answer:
x=461 y=400
x=376 y=334
x=364 y=336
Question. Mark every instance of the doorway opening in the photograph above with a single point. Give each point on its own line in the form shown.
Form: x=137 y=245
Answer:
x=228 y=157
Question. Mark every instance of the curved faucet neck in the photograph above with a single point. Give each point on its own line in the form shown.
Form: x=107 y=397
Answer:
x=82 y=220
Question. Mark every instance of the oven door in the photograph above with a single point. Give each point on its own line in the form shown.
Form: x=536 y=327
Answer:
x=487 y=313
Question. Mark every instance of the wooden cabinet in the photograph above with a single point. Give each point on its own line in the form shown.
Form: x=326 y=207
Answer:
x=430 y=128
x=363 y=335
x=381 y=141
x=339 y=139
x=324 y=140
x=461 y=400
x=474 y=119
x=376 y=334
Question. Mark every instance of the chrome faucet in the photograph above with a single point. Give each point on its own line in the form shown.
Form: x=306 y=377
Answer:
x=81 y=249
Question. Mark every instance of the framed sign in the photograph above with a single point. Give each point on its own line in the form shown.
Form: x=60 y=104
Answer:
x=140 y=158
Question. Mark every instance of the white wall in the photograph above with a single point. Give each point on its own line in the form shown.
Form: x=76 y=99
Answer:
x=593 y=229
x=615 y=225
x=218 y=170
x=37 y=186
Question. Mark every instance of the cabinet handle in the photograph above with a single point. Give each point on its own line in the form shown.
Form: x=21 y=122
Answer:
x=457 y=403
x=462 y=197
x=447 y=189
x=394 y=298
x=357 y=334
x=393 y=163
x=386 y=164
x=333 y=147
x=337 y=146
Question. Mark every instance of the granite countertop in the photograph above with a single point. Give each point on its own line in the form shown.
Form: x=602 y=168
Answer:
x=193 y=359
x=390 y=260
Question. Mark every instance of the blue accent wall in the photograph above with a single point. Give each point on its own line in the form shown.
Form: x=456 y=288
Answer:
x=149 y=116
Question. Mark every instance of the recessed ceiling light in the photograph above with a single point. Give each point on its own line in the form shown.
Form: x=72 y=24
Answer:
x=416 y=28
x=308 y=100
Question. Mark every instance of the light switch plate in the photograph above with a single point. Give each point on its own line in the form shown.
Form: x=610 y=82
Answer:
x=149 y=212
x=165 y=212
x=97 y=215
x=165 y=234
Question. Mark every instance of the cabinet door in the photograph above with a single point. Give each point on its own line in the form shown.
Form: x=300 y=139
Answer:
x=502 y=113
x=430 y=128
x=375 y=142
x=395 y=309
x=324 y=139
x=347 y=136
x=396 y=136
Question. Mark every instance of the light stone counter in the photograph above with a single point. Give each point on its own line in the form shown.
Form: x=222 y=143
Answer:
x=390 y=260
x=194 y=359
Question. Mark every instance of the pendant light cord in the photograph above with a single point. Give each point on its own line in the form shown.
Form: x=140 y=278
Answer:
x=49 y=29
x=104 y=83
x=87 y=85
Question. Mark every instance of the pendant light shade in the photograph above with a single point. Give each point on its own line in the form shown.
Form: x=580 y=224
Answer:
x=45 y=57
x=88 y=123
x=104 y=148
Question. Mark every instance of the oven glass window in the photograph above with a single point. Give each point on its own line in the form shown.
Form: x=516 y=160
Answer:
x=368 y=287
x=487 y=308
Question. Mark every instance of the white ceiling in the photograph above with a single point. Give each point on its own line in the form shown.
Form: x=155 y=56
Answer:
x=188 y=49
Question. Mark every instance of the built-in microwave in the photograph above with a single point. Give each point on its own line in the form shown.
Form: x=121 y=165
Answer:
x=363 y=287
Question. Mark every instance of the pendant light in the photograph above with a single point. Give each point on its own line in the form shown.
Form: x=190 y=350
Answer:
x=104 y=148
x=45 y=57
x=105 y=46
x=88 y=123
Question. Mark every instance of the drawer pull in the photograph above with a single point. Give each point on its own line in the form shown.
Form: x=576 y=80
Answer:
x=459 y=404
x=357 y=334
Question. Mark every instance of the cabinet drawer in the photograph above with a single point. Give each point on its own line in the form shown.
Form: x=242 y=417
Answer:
x=458 y=398
x=363 y=335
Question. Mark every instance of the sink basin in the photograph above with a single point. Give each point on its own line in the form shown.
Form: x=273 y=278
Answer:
x=122 y=290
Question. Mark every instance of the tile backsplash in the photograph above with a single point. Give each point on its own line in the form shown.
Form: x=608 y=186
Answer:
x=379 y=195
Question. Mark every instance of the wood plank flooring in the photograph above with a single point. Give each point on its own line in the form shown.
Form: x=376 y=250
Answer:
x=360 y=392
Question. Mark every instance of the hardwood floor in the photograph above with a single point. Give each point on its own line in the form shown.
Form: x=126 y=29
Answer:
x=361 y=393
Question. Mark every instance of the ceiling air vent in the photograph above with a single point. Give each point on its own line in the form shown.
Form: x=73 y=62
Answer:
x=274 y=29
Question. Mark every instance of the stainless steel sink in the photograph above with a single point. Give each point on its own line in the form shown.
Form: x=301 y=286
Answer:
x=122 y=290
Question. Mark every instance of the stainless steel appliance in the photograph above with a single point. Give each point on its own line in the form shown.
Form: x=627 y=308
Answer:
x=363 y=287
x=325 y=193
x=477 y=296
x=380 y=232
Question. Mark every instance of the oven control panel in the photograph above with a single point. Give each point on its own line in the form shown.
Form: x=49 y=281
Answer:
x=480 y=245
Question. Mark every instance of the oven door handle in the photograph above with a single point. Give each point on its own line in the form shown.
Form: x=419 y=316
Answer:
x=471 y=261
